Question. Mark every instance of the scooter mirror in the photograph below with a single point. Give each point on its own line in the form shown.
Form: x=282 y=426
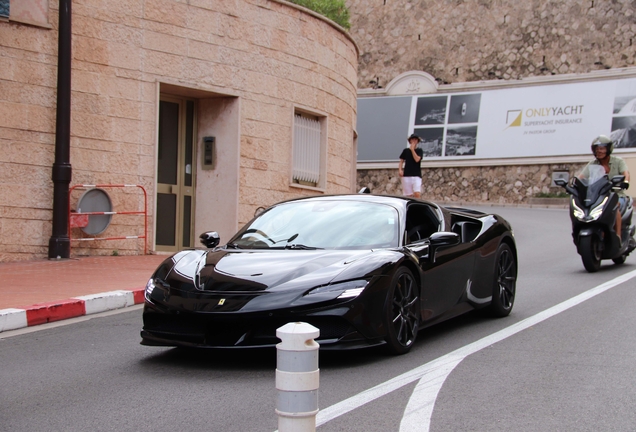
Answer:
x=617 y=180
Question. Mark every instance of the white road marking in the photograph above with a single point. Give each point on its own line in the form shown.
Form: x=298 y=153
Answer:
x=418 y=411
x=417 y=415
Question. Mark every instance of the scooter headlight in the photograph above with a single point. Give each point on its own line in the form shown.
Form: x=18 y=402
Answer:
x=597 y=211
x=578 y=213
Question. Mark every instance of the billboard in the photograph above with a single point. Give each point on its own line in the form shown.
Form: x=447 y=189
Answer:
x=548 y=120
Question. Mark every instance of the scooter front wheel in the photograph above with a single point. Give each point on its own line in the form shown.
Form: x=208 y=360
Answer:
x=589 y=248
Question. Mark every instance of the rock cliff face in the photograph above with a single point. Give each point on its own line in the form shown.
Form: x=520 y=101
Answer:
x=458 y=41
x=472 y=40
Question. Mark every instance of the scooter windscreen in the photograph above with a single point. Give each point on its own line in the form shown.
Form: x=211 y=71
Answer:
x=592 y=184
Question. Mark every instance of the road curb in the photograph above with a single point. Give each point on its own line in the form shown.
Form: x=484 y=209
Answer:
x=41 y=313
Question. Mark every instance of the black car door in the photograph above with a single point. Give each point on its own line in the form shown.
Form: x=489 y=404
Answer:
x=447 y=278
x=446 y=270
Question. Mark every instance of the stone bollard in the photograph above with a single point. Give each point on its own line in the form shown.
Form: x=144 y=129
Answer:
x=297 y=377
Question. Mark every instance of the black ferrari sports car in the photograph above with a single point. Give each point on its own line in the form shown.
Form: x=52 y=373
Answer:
x=364 y=269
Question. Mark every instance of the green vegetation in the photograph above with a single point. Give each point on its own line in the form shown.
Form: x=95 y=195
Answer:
x=551 y=195
x=335 y=10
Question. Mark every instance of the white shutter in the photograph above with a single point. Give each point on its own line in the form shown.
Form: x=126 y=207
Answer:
x=306 y=150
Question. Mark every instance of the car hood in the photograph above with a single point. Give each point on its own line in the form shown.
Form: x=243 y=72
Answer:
x=256 y=270
x=223 y=280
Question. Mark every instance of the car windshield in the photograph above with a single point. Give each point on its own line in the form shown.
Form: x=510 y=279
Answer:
x=334 y=224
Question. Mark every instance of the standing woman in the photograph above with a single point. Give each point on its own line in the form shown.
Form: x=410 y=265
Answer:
x=410 y=168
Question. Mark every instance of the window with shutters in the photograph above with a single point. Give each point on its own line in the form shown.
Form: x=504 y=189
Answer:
x=309 y=150
x=4 y=9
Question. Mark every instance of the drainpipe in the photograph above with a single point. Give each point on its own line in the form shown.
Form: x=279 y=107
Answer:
x=60 y=243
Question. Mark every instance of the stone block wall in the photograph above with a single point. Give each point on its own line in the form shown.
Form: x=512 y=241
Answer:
x=272 y=55
x=472 y=40
x=514 y=184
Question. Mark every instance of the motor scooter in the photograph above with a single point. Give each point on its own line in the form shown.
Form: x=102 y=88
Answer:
x=593 y=206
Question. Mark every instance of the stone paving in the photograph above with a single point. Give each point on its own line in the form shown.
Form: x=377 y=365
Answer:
x=26 y=283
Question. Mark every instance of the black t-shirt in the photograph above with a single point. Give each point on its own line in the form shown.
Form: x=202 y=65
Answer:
x=412 y=168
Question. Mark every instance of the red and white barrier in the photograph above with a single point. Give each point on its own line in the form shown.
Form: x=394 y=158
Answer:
x=81 y=220
x=16 y=318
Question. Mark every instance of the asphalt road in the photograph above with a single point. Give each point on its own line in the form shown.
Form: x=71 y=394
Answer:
x=574 y=370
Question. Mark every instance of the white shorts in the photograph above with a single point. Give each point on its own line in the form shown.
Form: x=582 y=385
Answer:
x=411 y=184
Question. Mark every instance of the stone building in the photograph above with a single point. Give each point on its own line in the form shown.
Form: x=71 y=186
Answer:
x=481 y=46
x=196 y=102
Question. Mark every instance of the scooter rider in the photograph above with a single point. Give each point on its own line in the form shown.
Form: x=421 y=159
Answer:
x=602 y=148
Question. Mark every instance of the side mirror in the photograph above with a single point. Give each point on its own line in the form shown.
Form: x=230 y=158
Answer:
x=618 y=179
x=618 y=182
x=444 y=238
x=564 y=184
x=210 y=239
x=441 y=239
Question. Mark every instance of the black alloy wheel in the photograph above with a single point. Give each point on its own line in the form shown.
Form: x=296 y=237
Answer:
x=505 y=283
x=402 y=312
x=590 y=248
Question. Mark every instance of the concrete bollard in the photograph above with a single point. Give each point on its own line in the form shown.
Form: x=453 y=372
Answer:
x=297 y=377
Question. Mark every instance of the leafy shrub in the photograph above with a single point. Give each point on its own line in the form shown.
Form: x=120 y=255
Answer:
x=335 y=10
x=551 y=195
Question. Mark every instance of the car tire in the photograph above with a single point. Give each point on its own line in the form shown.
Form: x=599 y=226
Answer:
x=402 y=312
x=505 y=282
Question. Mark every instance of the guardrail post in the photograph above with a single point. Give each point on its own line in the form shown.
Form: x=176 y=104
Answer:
x=297 y=377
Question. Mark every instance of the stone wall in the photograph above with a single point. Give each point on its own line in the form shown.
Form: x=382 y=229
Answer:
x=272 y=56
x=486 y=184
x=458 y=41
x=471 y=40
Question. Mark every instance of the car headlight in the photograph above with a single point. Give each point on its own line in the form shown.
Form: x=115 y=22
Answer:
x=350 y=289
x=598 y=210
x=150 y=286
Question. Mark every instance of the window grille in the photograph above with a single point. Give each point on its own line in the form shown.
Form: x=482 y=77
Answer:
x=4 y=8
x=306 y=168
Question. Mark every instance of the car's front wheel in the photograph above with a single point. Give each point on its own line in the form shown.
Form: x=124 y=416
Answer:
x=504 y=289
x=402 y=312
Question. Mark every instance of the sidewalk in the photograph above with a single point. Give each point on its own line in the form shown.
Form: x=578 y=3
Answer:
x=35 y=292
